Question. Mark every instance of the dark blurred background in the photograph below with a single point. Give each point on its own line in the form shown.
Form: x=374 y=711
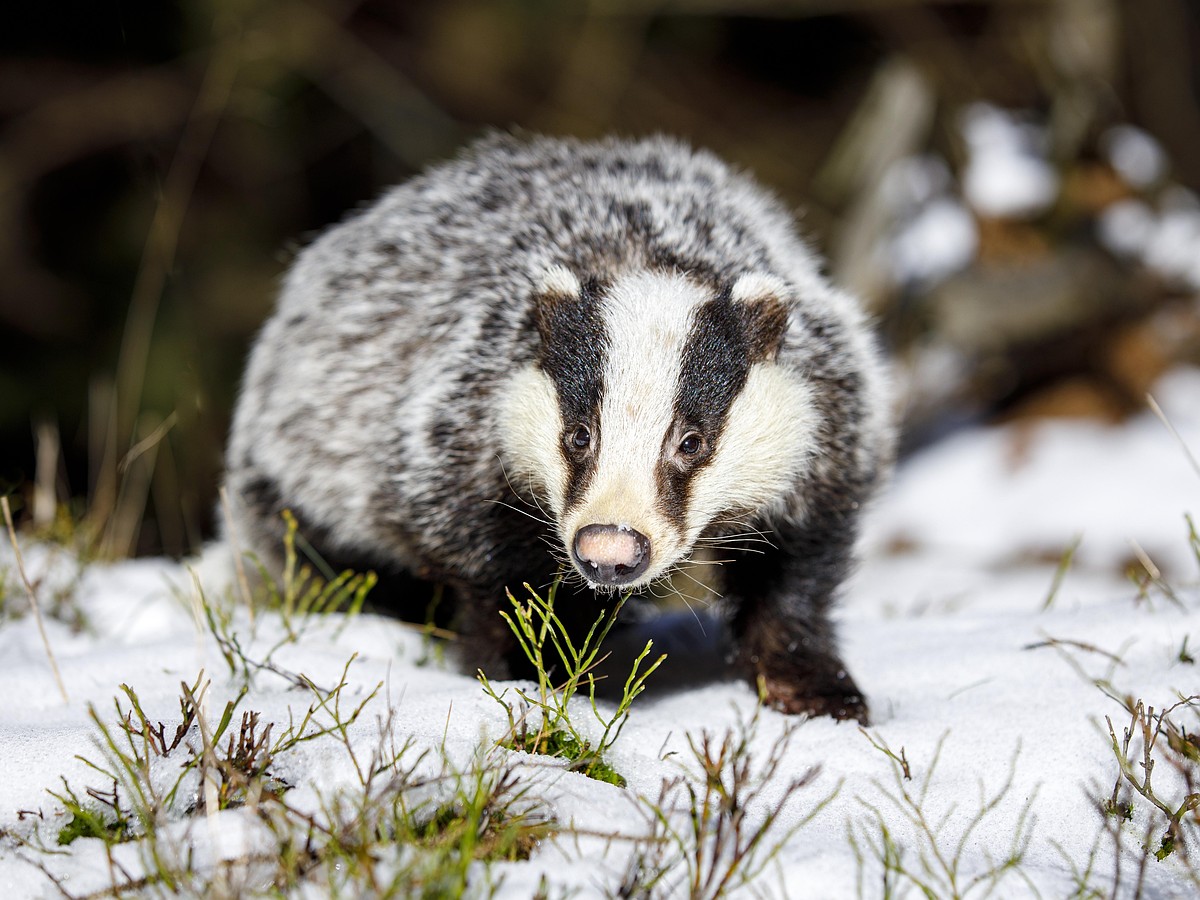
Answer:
x=160 y=163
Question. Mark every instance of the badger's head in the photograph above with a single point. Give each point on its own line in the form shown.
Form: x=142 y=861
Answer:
x=655 y=411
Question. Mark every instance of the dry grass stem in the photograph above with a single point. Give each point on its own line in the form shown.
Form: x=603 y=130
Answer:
x=149 y=442
x=111 y=509
x=1078 y=645
x=33 y=601
x=235 y=549
x=1149 y=725
x=1187 y=451
x=45 y=492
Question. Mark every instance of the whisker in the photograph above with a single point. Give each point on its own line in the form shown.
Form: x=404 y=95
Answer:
x=746 y=528
x=555 y=547
x=687 y=601
x=531 y=500
x=740 y=540
x=537 y=503
x=682 y=570
x=742 y=545
x=523 y=512
x=704 y=561
x=737 y=547
x=748 y=537
x=695 y=615
x=661 y=588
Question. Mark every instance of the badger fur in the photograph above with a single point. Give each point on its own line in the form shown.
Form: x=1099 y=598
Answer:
x=620 y=349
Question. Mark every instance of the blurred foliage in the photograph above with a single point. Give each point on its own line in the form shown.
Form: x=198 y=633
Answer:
x=159 y=163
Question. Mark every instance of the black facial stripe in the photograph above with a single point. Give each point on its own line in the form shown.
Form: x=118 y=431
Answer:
x=713 y=371
x=714 y=367
x=573 y=350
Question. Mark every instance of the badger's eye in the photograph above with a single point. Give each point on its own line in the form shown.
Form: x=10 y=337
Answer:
x=581 y=437
x=691 y=444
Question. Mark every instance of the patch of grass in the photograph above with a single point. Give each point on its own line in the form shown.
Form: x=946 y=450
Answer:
x=130 y=750
x=105 y=818
x=1143 y=823
x=1181 y=752
x=307 y=590
x=544 y=640
x=220 y=768
x=478 y=820
x=928 y=854
x=718 y=827
x=412 y=826
x=301 y=597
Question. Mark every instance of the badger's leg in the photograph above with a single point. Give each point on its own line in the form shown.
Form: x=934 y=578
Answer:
x=485 y=641
x=781 y=628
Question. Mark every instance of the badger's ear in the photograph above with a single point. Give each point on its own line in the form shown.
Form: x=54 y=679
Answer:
x=558 y=286
x=764 y=314
x=559 y=281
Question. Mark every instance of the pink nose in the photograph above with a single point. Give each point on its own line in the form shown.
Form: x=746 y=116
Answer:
x=609 y=554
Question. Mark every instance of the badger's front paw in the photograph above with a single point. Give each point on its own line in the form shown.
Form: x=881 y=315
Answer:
x=836 y=696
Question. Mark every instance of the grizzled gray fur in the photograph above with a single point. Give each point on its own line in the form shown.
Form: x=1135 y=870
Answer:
x=600 y=359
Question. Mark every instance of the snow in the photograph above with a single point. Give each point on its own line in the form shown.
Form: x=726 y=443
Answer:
x=940 y=240
x=1134 y=153
x=1127 y=227
x=1007 y=175
x=946 y=627
x=933 y=230
x=934 y=234
x=1167 y=239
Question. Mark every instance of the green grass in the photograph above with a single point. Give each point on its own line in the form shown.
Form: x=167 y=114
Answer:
x=449 y=819
x=554 y=731
x=721 y=824
x=933 y=860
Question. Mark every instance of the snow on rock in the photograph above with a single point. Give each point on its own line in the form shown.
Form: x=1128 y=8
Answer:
x=1135 y=154
x=934 y=234
x=989 y=690
x=1007 y=175
x=1126 y=227
x=940 y=240
x=1166 y=239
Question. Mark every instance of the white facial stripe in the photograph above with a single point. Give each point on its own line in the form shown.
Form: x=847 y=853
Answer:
x=769 y=437
x=531 y=432
x=647 y=319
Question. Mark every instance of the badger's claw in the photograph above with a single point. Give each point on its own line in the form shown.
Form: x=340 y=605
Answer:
x=839 y=698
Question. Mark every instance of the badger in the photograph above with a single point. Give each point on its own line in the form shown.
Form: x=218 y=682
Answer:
x=588 y=361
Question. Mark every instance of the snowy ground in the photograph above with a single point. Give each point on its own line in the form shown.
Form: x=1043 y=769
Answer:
x=945 y=628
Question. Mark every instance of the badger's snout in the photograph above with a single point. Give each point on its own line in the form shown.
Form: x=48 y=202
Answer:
x=611 y=554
